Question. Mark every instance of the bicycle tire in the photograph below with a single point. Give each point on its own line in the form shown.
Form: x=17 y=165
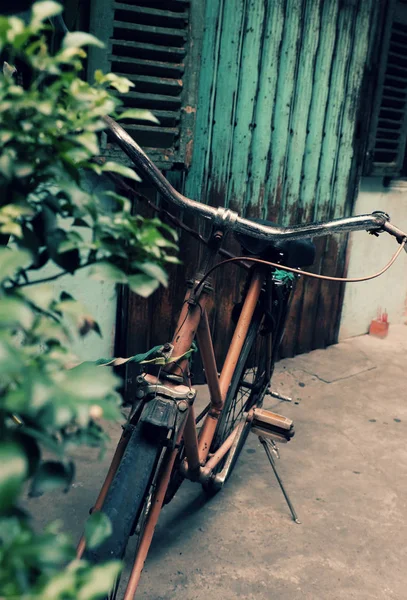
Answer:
x=239 y=400
x=127 y=495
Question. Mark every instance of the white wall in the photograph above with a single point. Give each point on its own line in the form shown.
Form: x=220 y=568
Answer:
x=368 y=254
x=99 y=298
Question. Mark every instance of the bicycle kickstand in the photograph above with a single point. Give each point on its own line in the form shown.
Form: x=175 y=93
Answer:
x=265 y=445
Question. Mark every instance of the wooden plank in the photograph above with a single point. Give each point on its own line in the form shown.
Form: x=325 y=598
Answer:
x=166 y=303
x=153 y=129
x=100 y=25
x=148 y=14
x=152 y=85
x=227 y=84
x=331 y=261
x=163 y=116
x=196 y=180
x=381 y=78
x=331 y=140
x=281 y=122
x=307 y=315
x=316 y=121
x=148 y=30
x=350 y=110
x=150 y=100
x=219 y=158
x=275 y=198
x=329 y=154
x=296 y=206
x=191 y=81
x=145 y=49
x=259 y=154
x=395 y=91
x=128 y=66
x=246 y=96
x=135 y=322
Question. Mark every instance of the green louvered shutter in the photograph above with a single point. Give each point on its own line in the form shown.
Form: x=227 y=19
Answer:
x=387 y=143
x=156 y=44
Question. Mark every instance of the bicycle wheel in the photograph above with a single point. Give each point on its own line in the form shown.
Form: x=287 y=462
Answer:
x=128 y=495
x=247 y=388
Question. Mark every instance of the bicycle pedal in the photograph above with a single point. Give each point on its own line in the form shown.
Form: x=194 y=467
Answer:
x=275 y=394
x=272 y=425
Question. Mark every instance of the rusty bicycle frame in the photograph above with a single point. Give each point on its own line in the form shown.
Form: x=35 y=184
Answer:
x=198 y=464
x=167 y=393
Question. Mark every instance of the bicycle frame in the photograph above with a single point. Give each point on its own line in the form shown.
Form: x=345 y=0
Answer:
x=198 y=465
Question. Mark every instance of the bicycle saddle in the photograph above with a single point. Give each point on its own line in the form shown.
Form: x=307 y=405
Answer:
x=292 y=253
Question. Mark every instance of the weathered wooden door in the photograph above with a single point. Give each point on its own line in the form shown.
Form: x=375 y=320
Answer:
x=276 y=135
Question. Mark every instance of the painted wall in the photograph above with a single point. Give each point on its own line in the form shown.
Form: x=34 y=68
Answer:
x=367 y=255
x=100 y=300
x=279 y=94
x=277 y=136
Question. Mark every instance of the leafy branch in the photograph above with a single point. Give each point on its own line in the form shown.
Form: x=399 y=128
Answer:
x=51 y=218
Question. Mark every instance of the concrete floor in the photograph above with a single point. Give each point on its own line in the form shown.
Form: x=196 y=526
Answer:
x=346 y=472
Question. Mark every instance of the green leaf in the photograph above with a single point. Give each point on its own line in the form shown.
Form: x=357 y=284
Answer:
x=89 y=382
x=153 y=270
x=23 y=169
x=89 y=141
x=100 y=581
x=105 y=271
x=14 y=311
x=51 y=475
x=97 y=529
x=8 y=70
x=6 y=165
x=59 y=586
x=41 y=295
x=77 y=39
x=139 y=114
x=10 y=361
x=121 y=84
x=172 y=259
x=45 y=10
x=143 y=285
x=13 y=470
x=121 y=170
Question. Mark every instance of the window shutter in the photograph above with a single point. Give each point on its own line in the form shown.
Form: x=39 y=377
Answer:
x=150 y=43
x=387 y=142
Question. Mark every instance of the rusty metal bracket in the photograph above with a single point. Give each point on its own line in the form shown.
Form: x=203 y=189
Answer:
x=148 y=388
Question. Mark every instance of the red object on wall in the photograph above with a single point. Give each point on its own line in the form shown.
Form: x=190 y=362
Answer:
x=380 y=326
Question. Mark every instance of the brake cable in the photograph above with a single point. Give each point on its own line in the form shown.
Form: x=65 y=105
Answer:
x=246 y=259
x=306 y=273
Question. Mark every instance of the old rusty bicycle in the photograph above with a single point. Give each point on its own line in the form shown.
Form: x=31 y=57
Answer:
x=161 y=445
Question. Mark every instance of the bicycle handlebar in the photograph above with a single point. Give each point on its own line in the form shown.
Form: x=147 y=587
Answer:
x=375 y=222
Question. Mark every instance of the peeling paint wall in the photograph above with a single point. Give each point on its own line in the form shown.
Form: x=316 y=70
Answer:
x=280 y=89
x=277 y=135
x=368 y=255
